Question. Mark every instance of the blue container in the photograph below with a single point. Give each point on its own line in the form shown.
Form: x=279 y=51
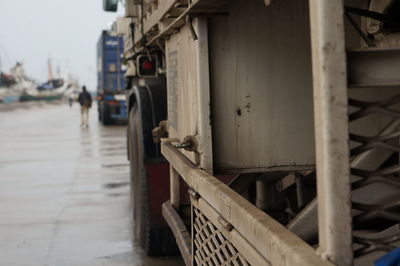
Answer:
x=110 y=51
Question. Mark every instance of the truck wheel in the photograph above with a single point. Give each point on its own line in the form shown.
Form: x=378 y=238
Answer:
x=106 y=115
x=99 y=115
x=154 y=241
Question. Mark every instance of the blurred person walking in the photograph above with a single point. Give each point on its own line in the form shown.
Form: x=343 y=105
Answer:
x=70 y=101
x=85 y=100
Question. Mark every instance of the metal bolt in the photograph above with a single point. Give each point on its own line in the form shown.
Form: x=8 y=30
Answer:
x=183 y=145
x=225 y=224
x=193 y=194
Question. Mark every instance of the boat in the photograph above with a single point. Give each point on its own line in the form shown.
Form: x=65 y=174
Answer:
x=11 y=85
x=51 y=90
x=7 y=93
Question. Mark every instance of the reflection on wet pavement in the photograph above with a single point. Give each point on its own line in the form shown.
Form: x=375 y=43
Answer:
x=64 y=191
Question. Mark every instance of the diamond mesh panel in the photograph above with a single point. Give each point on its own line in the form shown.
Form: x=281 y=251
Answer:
x=386 y=212
x=210 y=246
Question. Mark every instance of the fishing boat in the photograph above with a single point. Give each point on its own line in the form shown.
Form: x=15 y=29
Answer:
x=13 y=84
x=7 y=92
x=51 y=90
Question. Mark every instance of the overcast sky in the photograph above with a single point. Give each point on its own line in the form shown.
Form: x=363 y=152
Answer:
x=65 y=30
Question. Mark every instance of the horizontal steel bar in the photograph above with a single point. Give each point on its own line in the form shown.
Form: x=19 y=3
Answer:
x=305 y=224
x=196 y=7
x=373 y=67
x=271 y=239
x=179 y=230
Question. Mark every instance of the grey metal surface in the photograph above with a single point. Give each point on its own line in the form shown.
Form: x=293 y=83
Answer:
x=206 y=235
x=261 y=87
x=252 y=72
x=369 y=246
x=373 y=67
x=64 y=191
x=305 y=224
x=182 y=236
x=376 y=190
x=331 y=131
x=261 y=232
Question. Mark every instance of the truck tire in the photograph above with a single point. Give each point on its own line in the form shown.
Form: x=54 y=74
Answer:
x=106 y=115
x=154 y=241
x=99 y=114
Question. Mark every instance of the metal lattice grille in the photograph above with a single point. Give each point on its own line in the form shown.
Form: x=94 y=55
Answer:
x=370 y=245
x=210 y=246
x=376 y=190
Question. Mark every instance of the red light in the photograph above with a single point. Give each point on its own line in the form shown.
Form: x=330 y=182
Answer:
x=147 y=65
x=113 y=103
x=100 y=97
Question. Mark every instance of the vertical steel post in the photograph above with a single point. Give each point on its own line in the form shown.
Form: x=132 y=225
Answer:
x=331 y=131
x=203 y=94
x=174 y=187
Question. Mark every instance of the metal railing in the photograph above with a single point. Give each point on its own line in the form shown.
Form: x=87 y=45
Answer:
x=259 y=239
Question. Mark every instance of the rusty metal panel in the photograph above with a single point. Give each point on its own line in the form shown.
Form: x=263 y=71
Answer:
x=261 y=87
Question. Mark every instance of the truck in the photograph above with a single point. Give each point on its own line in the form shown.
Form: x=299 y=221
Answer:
x=266 y=132
x=110 y=78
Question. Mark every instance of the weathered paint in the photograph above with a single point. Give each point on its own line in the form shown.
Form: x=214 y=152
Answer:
x=261 y=86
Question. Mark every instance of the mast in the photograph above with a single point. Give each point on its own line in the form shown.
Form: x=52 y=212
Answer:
x=50 y=70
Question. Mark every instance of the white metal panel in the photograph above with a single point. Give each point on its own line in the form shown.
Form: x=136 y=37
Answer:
x=189 y=90
x=131 y=9
x=331 y=131
x=122 y=26
x=181 y=86
x=261 y=85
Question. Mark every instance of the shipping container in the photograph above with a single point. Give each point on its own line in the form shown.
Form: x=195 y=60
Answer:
x=110 y=78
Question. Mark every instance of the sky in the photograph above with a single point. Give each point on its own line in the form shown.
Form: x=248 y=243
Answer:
x=67 y=31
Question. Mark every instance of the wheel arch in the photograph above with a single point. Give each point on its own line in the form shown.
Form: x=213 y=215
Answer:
x=151 y=102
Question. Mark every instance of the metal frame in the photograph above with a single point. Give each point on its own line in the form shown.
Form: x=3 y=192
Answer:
x=167 y=18
x=252 y=256
x=331 y=131
x=266 y=236
x=203 y=95
x=179 y=230
x=261 y=239
x=333 y=169
x=375 y=67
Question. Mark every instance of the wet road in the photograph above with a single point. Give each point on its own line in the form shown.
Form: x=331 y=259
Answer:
x=64 y=191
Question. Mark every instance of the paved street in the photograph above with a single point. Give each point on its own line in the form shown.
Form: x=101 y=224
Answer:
x=64 y=191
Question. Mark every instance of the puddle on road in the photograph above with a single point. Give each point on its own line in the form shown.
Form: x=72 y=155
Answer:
x=114 y=195
x=114 y=165
x=115 y=185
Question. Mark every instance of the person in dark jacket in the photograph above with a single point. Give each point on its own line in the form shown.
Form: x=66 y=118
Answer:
x=85 y=100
